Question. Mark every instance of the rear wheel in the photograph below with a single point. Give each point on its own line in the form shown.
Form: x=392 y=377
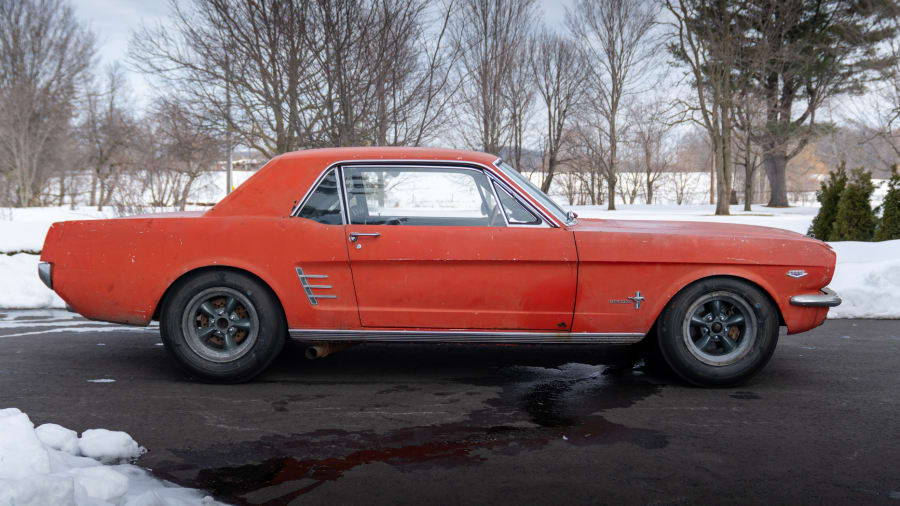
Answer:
x=718 y=332
x=223 y=326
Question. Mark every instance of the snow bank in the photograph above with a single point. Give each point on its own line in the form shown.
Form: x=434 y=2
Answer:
x=49 y=465
x=867 y=278
x=21 y=287
x=24 y=229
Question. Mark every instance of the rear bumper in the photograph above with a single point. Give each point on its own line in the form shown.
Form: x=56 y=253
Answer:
x=827 y=298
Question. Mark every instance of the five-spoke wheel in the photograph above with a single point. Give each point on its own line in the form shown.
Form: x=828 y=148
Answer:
x=719 y=328
x=718 y=331
x=222 y=325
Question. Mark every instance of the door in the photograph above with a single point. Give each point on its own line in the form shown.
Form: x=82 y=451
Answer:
x=431 y=247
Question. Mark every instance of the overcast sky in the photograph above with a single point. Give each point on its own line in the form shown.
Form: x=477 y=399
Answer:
x=113 y=21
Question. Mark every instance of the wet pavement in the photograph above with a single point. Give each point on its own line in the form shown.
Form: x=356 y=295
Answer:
x=474 y=424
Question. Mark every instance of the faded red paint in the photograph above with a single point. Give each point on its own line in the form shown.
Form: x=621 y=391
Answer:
x=558 y=279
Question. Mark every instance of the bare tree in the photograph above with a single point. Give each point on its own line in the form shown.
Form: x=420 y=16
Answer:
x=707 y=40
x=878 y=118
x=518 y=93
x=488 y=35
x=630 y=183
x=559 y=71
x=107 y=132
x=591 y=155
x=651 y=129
x=617 y=37
x=283 y=75
x=748 y=118
x=44 y=52
x=190 y=146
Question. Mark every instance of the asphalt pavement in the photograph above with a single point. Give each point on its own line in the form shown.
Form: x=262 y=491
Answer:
x=476 y=424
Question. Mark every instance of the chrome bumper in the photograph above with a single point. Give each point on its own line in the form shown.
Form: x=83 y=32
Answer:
x=44 y=272
x=828 y=298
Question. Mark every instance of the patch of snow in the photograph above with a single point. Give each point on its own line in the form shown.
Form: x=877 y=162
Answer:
x=109 y=446
x=102 y=380
x=58 y=438
x=22 y=288
x=867 y=278
x=51 y=465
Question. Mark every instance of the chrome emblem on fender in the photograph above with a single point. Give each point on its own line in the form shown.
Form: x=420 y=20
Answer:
x=796 y=273
x=637 y=299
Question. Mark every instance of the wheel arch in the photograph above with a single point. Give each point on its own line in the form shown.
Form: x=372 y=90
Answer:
x=745 y=279
x=207 y=268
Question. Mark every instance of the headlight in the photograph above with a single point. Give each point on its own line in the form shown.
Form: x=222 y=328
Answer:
x=45 y=270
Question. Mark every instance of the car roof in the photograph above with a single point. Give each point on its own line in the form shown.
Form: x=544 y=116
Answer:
x=284 y=180
x=333 y=155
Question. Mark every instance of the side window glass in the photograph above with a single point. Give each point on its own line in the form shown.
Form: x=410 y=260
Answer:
x=323 y=205
x=420 y=196
x=516 y=213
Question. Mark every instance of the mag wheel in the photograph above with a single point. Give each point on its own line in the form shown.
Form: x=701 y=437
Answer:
x=223 y=326
x=718 y=332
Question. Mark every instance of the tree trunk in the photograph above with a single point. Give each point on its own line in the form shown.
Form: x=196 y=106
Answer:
x=748 y=180
x=62 y=188
x=93 y=199
x=551 y=170
x=775 y=162
x=611 y=193
x=748 y=192
x=721 y=191
x=724 y=164
x=649 y=191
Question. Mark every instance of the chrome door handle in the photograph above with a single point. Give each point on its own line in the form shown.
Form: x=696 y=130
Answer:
x=355 y=235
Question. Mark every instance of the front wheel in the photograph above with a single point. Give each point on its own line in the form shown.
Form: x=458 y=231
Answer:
x=718 y=332
x=223 y=326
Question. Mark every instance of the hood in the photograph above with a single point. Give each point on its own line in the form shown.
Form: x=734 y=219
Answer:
x=689 y=228
x=696 y=242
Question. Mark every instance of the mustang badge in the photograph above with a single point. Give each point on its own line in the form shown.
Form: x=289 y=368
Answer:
x=637 y=299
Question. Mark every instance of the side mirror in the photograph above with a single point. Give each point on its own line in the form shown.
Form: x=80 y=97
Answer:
x=571 y=215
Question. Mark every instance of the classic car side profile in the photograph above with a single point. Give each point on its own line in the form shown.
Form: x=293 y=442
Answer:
x=355 y=245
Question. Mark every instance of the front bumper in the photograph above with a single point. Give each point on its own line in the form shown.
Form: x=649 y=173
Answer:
x=827 y=298
x=45 y=272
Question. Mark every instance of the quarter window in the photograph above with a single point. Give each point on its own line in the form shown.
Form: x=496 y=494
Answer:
x=516 y=213
x=420 y=196
x=323 y=204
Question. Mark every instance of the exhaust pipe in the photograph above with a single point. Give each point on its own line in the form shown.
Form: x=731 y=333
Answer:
x=322 y=350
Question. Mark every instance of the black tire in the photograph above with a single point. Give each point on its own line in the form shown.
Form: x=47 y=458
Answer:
x=718 y=332
x=219 y=346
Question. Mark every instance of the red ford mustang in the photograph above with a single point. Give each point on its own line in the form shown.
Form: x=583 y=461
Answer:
x=409 y=244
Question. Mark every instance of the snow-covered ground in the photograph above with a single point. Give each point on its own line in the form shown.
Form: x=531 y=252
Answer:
x=867 y=275
x=50 y=465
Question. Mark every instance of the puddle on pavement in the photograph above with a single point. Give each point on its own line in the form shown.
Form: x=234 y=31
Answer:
x=536 y=406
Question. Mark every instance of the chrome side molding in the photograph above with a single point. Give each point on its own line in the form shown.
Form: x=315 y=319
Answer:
x=828 y=298
x=459 y=336
x=308 y=288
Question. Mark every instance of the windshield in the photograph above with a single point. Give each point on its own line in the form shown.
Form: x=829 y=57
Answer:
x=535 y=192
